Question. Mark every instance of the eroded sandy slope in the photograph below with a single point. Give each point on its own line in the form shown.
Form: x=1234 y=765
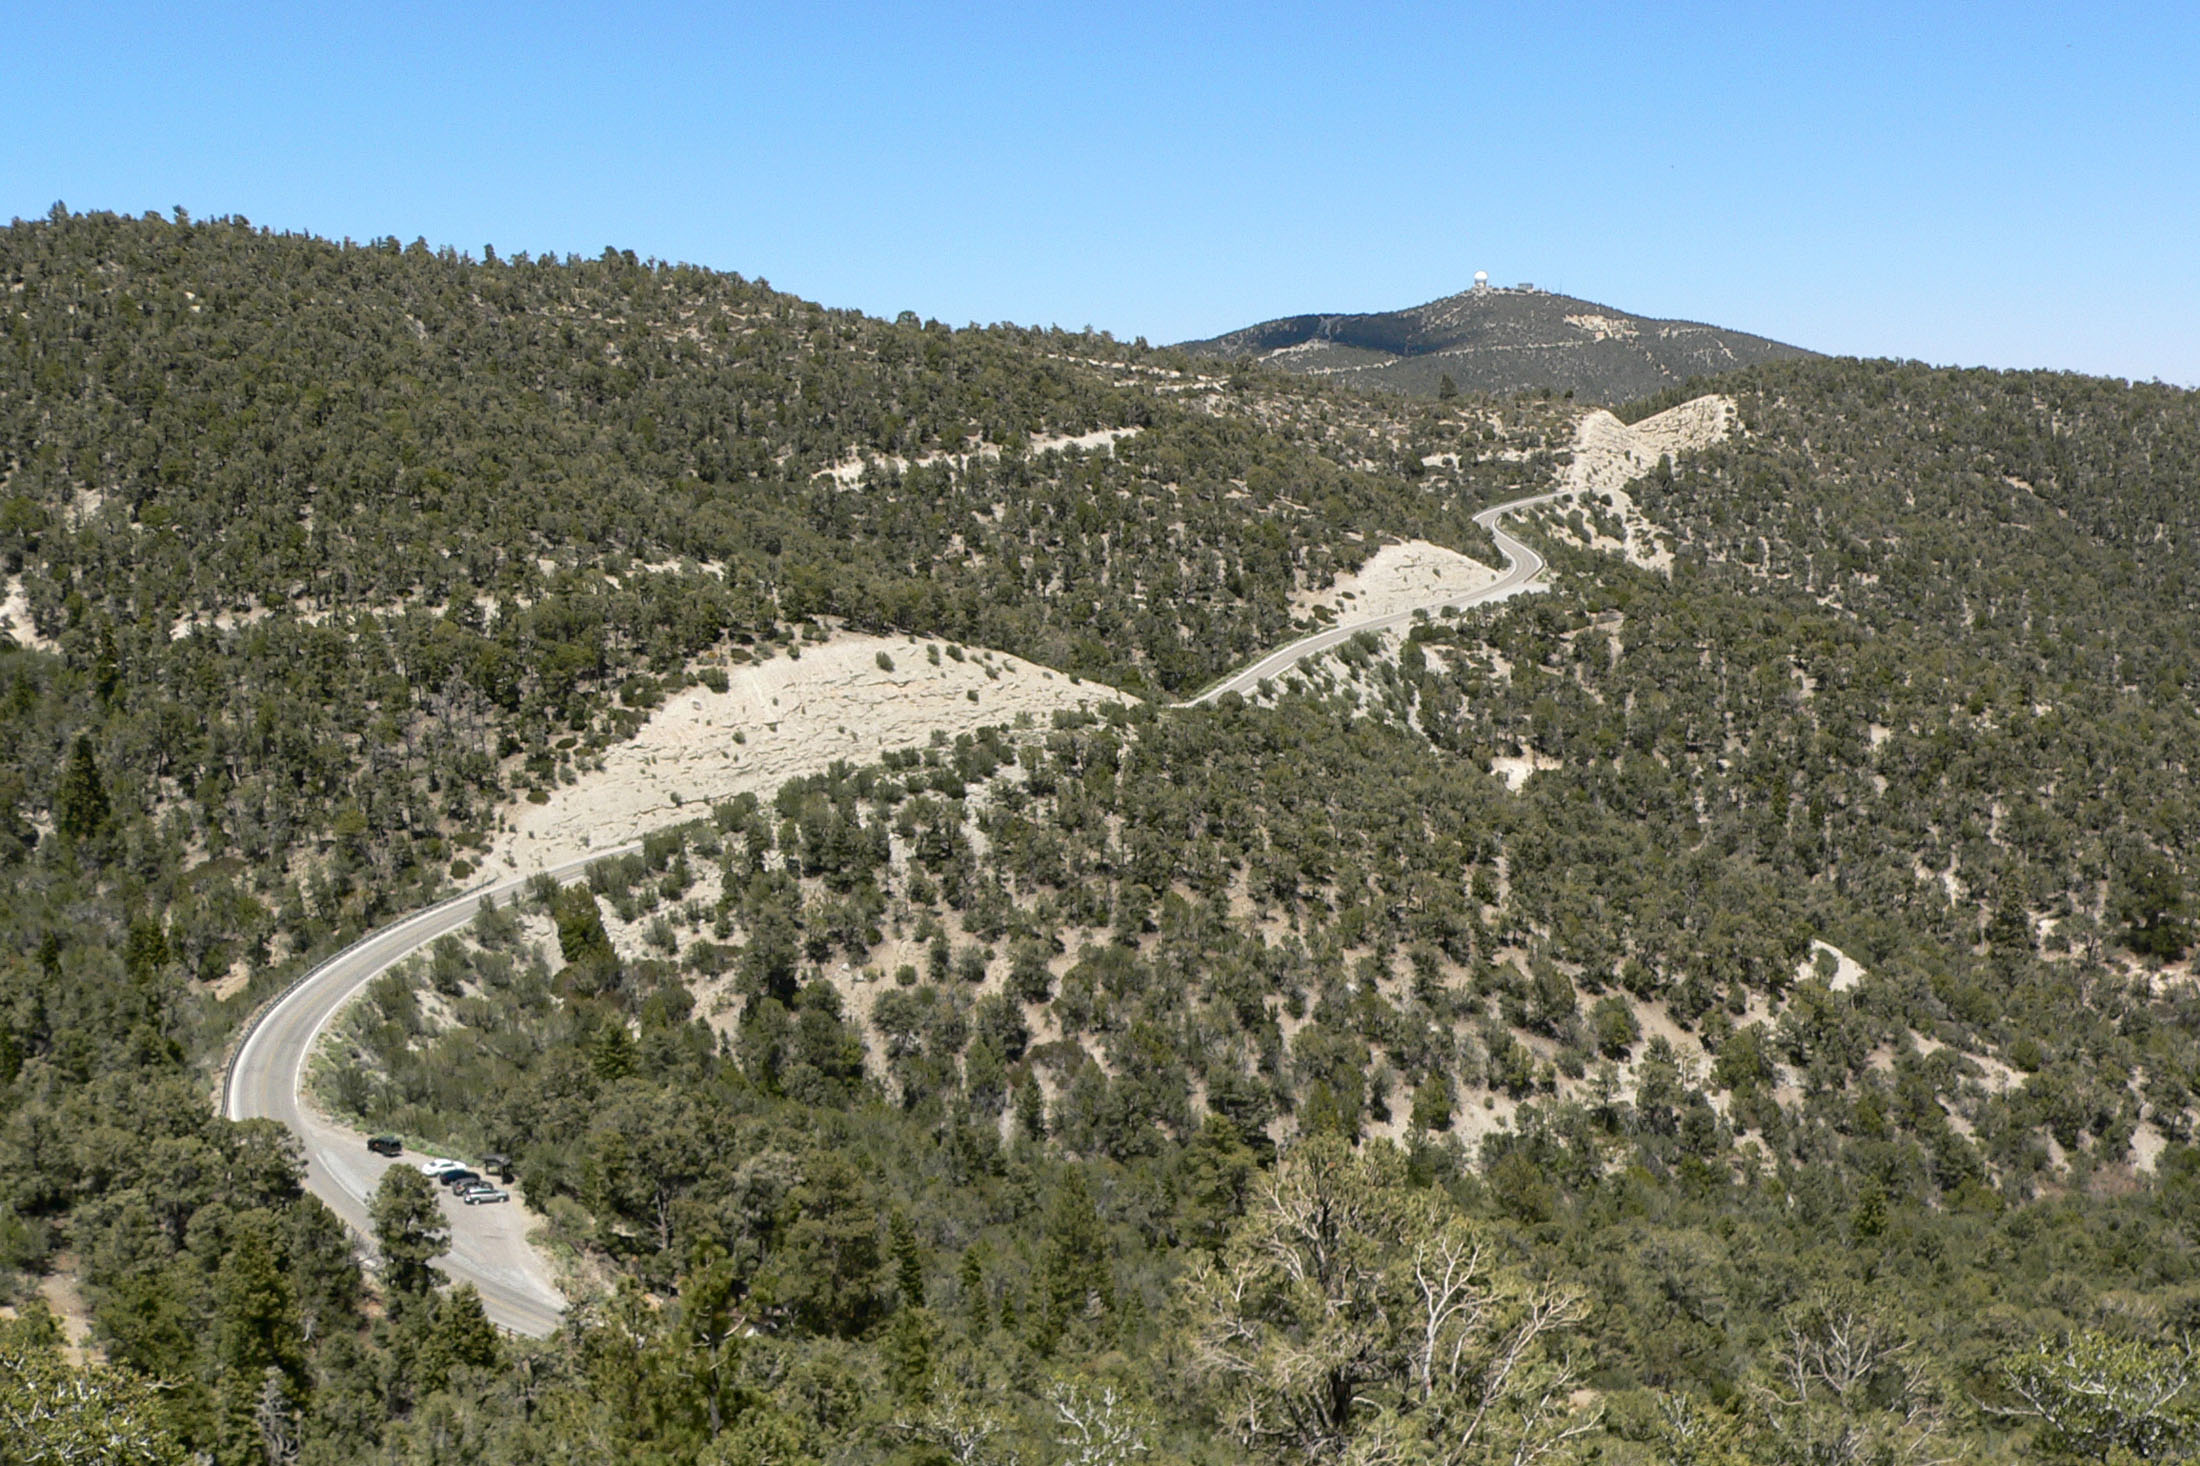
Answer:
x=1609 y=455
x=775 y=721
x=1398 y=578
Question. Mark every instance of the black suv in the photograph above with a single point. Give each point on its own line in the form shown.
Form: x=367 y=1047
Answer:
x=386 y=1145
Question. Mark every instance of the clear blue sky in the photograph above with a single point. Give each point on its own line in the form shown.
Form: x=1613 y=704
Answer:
x=2010 y=185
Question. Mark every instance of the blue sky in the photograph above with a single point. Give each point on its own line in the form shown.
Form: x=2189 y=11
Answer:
x=2008 y=185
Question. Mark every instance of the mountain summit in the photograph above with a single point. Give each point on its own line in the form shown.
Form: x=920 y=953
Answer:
x=1500 y=340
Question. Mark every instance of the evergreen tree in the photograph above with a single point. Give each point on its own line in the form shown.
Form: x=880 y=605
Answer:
x=611 y=1051
x=592 y=964
x=1031 y=1108
x=908 y=1355
x=710 y=1338
x=80 y=806
x=908 y=1260
x=825 y=1273
x=258 y=1340
x=256 y=1310
x=460 y=1337
x=409 y=1232
x=977 y=1309
x=1433 y=1102
x=2151 y=903
x=1075 y=1277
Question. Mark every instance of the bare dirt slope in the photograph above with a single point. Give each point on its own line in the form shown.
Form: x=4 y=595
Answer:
x=1609 y=455
x=15 y=617
x=790 y=716
x=1397 y=578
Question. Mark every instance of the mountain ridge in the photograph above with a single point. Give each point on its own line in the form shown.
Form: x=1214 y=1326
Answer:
x=1500 y=341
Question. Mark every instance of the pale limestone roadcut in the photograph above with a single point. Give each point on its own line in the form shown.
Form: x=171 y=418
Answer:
x=1523 y=565
x=489 y=1246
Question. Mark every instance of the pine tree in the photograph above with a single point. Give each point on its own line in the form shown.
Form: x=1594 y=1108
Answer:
x=255 y=1308
x=80 y=808
x=1075 y=1276
x=409 y=1231
x=711 y=1335
x=592 y=964
x=1031 y=1108
x=908 y=1355
x=258 y=1338
x=908 y=1260
x=970 y=1282
x=460 y=1336
x=145 y=950
x=826 y=1271
x=1433 y=1101
x=2009 y=929
x=611 y=1051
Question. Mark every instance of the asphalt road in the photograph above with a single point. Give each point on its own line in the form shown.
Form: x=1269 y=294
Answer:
x=1523 y=565
x=489 y=1246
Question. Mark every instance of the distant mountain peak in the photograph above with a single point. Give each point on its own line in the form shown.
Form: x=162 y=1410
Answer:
x=1500 y=339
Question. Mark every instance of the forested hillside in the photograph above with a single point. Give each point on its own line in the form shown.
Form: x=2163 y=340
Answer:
x=1737 y=1013
x=335 y=547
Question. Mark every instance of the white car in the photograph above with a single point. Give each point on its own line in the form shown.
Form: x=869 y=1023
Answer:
x=435 y=1168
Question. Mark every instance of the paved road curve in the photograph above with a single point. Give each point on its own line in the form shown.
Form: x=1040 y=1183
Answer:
x=1523 y=565
x=489 y=1246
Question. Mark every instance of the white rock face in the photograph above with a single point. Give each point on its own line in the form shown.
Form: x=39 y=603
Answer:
x=15 y=617
x=1847 y=971
x=1609 y=455
x=1398 y=578
x=793 y=717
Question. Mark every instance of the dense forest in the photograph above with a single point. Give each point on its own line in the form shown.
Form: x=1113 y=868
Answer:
x=1737 y=1012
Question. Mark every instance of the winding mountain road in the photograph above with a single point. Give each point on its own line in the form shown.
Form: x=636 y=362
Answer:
x=489 y=1246
x=266 y=1080
x=1523 y=566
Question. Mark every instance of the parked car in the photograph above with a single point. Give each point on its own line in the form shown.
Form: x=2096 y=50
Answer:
x=440 y=1167
x=454 y=1179
x=468 y=1188
x=484 y=1198
x=385 y=1145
